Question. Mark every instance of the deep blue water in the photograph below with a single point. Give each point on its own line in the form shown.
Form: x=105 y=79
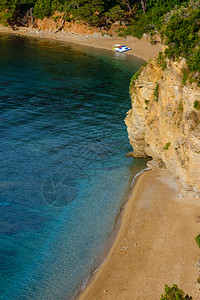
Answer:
x=63 y=170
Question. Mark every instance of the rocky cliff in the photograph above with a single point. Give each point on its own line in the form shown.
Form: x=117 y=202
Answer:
x=164 y=122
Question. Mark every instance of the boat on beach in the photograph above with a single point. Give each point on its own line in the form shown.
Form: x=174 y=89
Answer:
x=119 y=48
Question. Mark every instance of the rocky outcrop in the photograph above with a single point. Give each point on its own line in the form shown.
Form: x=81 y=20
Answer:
x=164 y=122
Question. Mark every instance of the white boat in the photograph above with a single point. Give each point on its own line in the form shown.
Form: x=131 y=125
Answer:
x=119 y=48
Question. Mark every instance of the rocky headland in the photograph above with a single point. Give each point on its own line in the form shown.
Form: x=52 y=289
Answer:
x=164 y=122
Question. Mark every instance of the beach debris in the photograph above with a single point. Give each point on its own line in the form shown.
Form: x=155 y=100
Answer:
x=105 y=291
x=123 y=248
x=135 y=245
x=179 y=196
x=198 y=264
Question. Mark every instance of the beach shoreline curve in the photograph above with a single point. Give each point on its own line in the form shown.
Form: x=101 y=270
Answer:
x=148 y=251
x=140 y=48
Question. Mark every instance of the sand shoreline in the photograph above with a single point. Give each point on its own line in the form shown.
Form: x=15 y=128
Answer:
x=154 y=245
x=111 y=240
x=140 y=48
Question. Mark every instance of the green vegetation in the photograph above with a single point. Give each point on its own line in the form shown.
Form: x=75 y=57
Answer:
x=181 y=35
x=194 y=60
x=116 y=13
x=155 y=93
x=180 y=106
x=174 y=293
x=42 y=8
x=94 y=12
x=185 y=76
x=135 y=76
x=197 y=104
x=141 y=16
x=197 y=239
x=89 y=11
x=147 y=103
x=177 y=22
x=161 y=61
x=152 y=20
x=137 y=29
x=167 y=145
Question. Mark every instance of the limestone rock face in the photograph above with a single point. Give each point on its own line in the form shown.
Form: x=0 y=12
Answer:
x=163 y=122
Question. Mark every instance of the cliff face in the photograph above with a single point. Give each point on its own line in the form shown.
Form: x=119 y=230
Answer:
x=164 y=124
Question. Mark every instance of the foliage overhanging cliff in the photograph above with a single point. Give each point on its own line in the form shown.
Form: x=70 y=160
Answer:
x=164 y=121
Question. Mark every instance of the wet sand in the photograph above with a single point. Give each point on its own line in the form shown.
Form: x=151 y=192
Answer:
x=140 y=48
x=155 y=244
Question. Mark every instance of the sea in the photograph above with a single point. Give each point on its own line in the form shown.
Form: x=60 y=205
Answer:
x=64 y=174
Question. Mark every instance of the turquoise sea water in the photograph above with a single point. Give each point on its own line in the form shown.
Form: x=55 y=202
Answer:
x=64 y=174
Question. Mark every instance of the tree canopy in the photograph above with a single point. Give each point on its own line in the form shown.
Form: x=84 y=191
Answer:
x=96 y=12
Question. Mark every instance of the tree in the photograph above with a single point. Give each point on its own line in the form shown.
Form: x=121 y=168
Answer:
x=42 y=8
x=114 y=14
x=16 y=11
x=7 y=10
x=74 y=4
x=127 y=4
x=89 y=11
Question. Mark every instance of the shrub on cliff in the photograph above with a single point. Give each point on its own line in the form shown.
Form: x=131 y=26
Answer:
x=161 y=61
x=174 y=293
x=155 y=93
x=194 y=61
x=135 y=76
x=197 y=239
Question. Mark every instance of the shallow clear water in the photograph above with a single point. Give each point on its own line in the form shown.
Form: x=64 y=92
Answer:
x=64 y=174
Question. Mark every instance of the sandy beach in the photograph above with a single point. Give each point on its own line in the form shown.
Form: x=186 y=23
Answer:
x=140 y=48
x=155 y=244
